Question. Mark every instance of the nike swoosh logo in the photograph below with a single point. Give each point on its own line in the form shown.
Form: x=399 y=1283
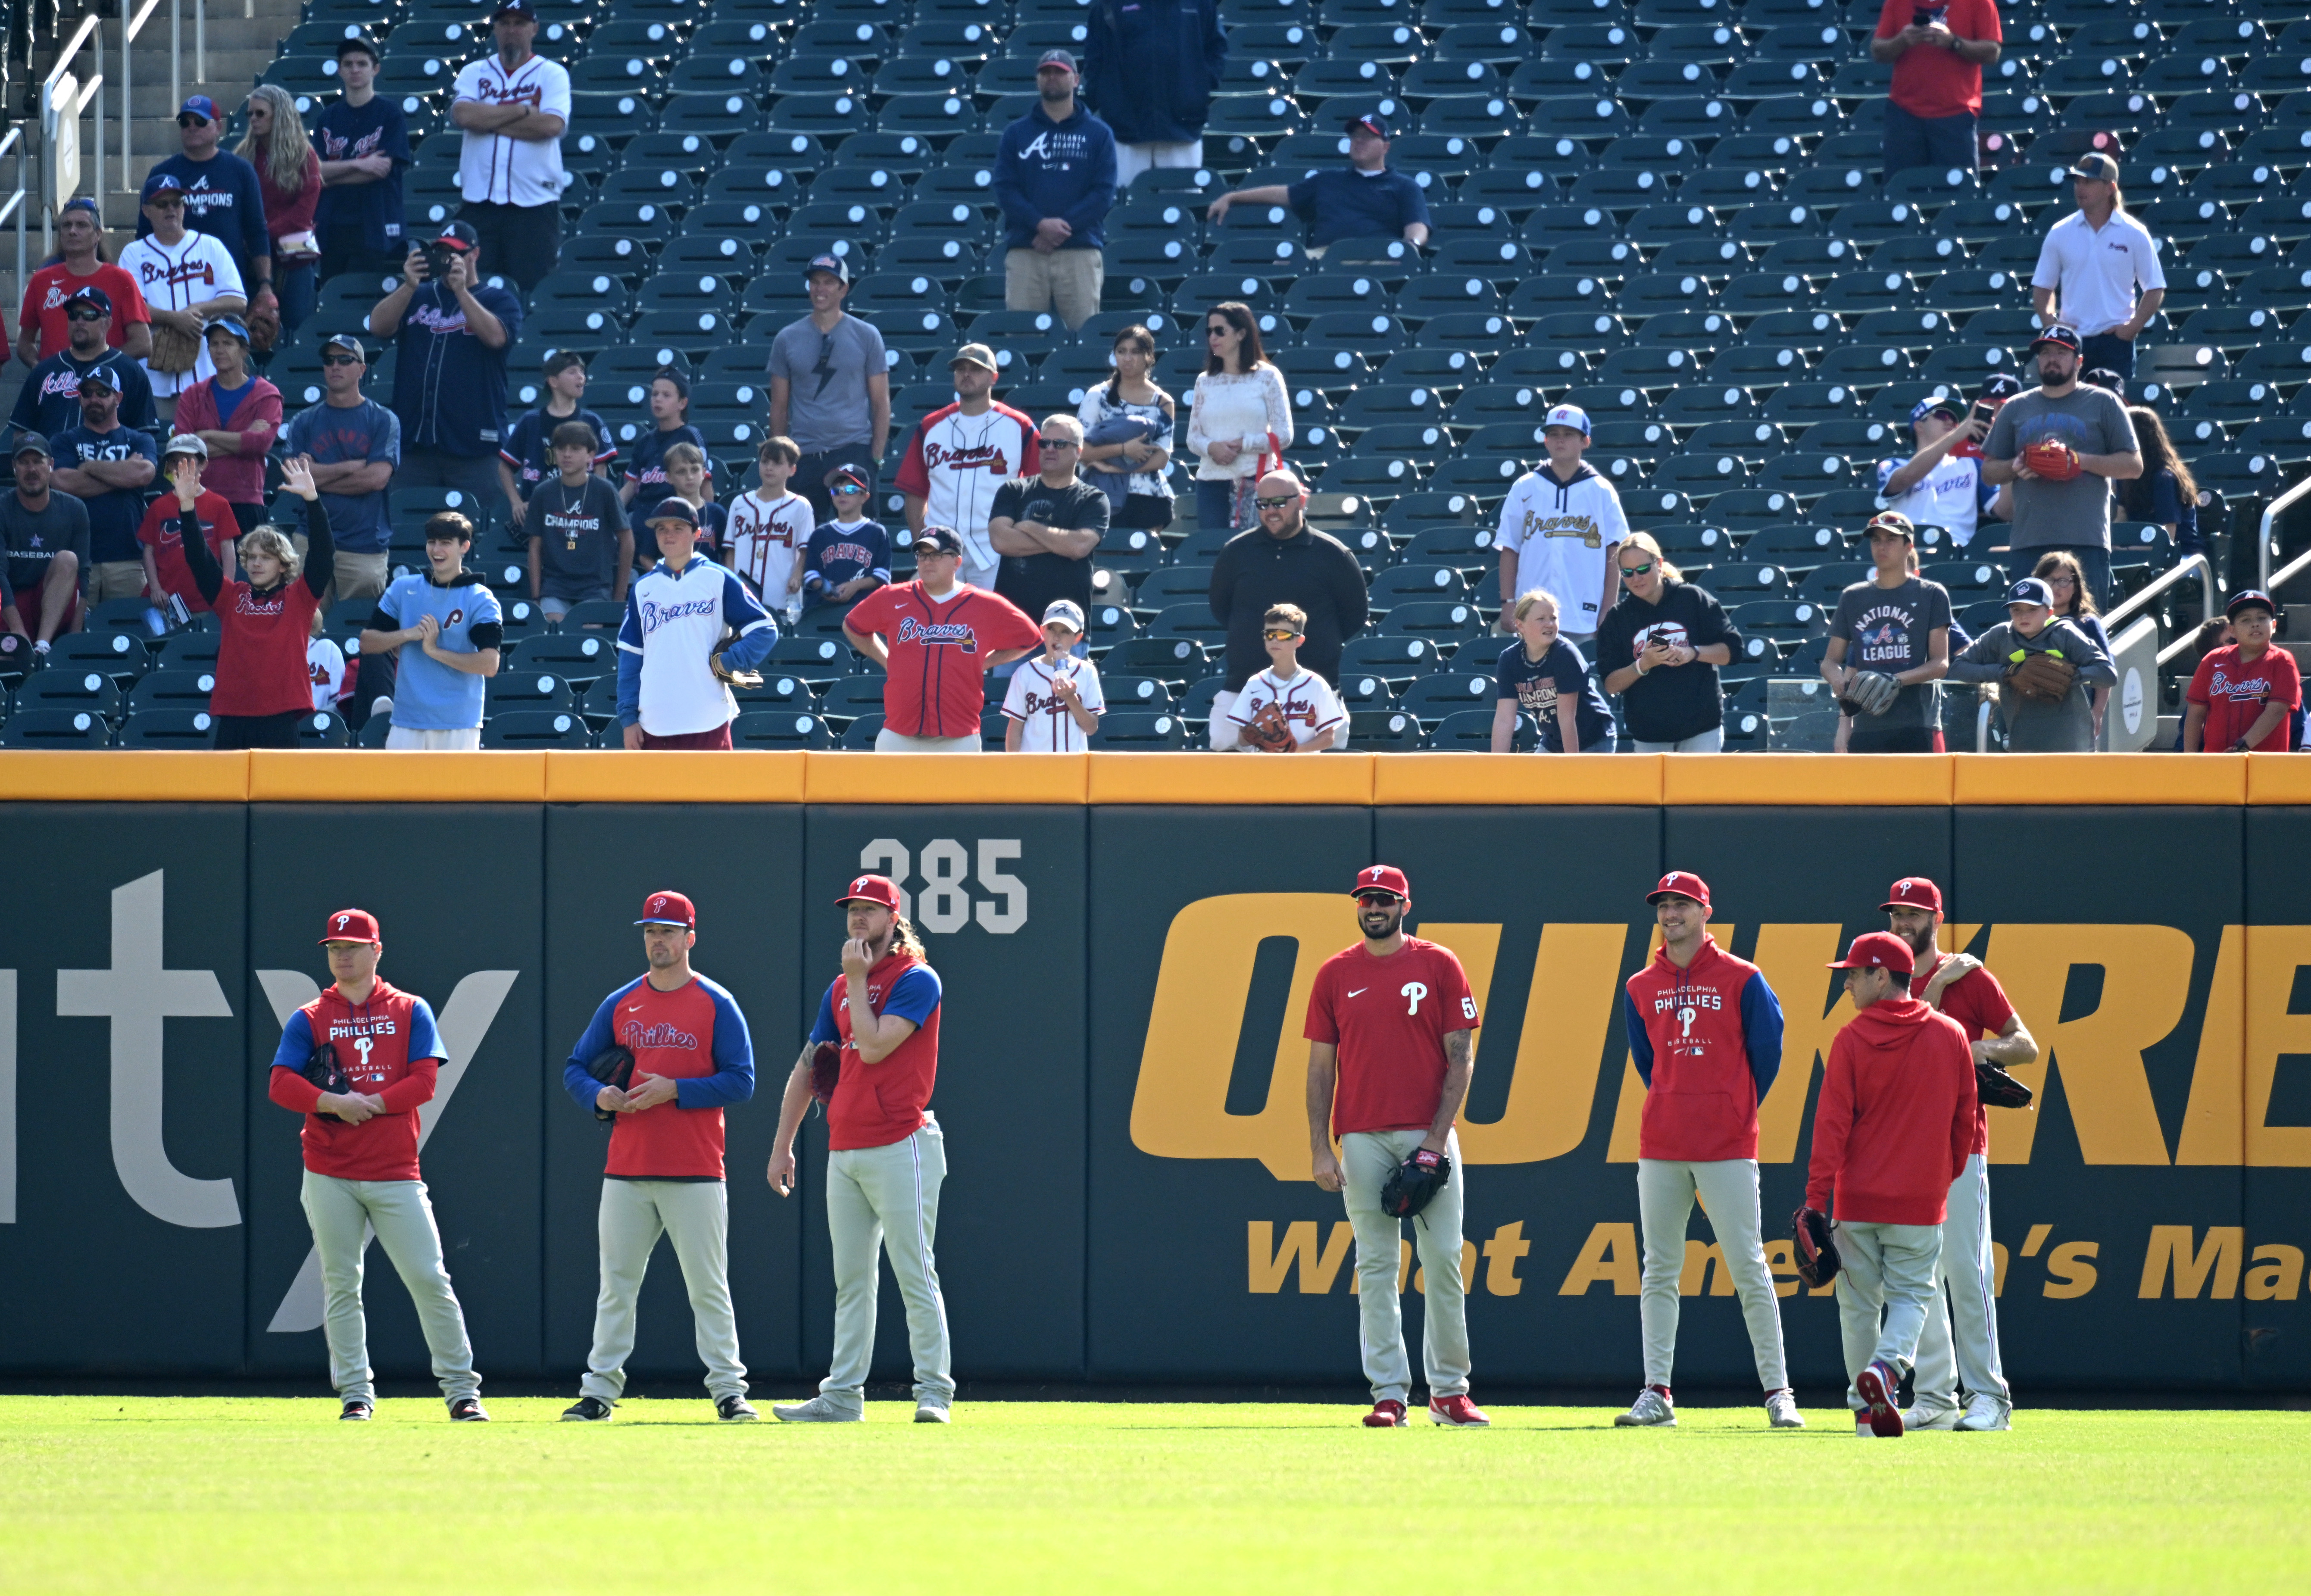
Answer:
x=633 y=1009
x=1360 y=992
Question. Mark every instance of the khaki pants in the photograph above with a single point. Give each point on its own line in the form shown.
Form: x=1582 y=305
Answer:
x=696 y=1214
x=343 y=1214
x=358 y=576
x=116 y=579
x=1064 y=281
x=1367 y=1158
x=886 y=1200
x=1969 y=1356
x=887 y=741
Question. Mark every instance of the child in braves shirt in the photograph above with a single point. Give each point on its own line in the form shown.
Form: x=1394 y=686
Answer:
x=2240 y=696
x=1053 y=704
x=849 y=556
x=936 y=637
x=770 y=526
x=1284 y=709
x=262 y=690
x=360 y=1161
x=646 y=480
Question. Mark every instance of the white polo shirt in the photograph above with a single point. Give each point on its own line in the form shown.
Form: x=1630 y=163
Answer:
x=514 y=172
x=2096 y=274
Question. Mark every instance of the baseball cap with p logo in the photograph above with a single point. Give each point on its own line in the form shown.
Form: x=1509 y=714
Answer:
x=1913 y=892
x=1382 y=879
x=1877 y=950
x=350 y=925
x=1680 y=883
x=871 y=889
x=668 y=909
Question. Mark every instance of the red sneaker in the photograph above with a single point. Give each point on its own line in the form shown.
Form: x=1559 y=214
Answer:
x=1880 y=1390
x=1458 y=1412
x=1386 y=1414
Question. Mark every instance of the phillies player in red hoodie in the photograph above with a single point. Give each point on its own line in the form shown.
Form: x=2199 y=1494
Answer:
x=1893 y=1129
x=361 y=1162
x=1706 y=1034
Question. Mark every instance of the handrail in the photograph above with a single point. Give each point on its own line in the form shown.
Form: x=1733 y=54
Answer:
x=2267 y=527
x=88 y=25
x=92 y=89
x=15 y=206
x=130 y=28
x=2184 y=569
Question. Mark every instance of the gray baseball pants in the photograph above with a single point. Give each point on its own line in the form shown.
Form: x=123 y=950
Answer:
x=1367 y=1157
x=1971 y=1309
x=1727 y=1190
x=696 y=1214
x=1883 y=1287
x=343 y=1214
x=886 y=1200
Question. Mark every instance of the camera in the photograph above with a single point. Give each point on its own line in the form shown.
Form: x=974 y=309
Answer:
x=437 y=259
x=1920 y=17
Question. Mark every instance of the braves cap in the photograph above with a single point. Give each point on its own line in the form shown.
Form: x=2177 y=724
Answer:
x=1683 y=884
x=2000 y=387
x=1894 y=521
x=2059 y=336
x=1568 y=415
x=1913 y=892
x=103 y=374
x=833 y=265
x=1066 y=612
x=514 y=8
x=351 y=925
x=2098 y=168
x=668 y=909
x=1056 y=58
x=1382 y=879
x=856 y=479
x=348 y=342
x=227 y=324
x=1947 y=405
x=975 y=355
x=187 y=443
x=2250 y=598
x=89 y=296
x=1877 y=950
x=2031 y=590
x=938 y=540
x=871 y=889
x=458 y=235
x=201 y=106
x=33 y=443
x=1371 y=122
x=162 y=182
x=673 y=508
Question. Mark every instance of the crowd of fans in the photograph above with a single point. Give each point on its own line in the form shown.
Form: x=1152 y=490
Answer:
x=146 y=377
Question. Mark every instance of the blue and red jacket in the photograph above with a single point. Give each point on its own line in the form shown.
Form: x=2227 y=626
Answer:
x=693 y=1035
x=876 y=1104
x=1707 y=1043
x=386 y=1046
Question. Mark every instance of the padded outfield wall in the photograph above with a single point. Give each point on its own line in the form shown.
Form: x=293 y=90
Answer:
x=1126 y=942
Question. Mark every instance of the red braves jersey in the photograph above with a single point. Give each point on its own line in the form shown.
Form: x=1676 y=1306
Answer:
x=955 y=463
x=876 y=1104
x=158 y=533
x=261 y=656
x=373 y=1042
x=939 y=653
x=1977 y=1002
x=1697 y=1034
x=1389 y=1017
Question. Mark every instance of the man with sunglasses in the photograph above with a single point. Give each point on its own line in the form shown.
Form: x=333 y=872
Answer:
x=830 y=386
x=222 y=197
x=1045 y=527
x=449 y=373
x=354 y=443
x=42 y=327
x=1284 y=560
x=187 y=280
x=50 y=401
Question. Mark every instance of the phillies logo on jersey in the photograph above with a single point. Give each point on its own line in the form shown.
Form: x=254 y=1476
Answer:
x=1412 y=992
x=958 y=632
x=456 y=615
x=637 y=1037
x=974 y=457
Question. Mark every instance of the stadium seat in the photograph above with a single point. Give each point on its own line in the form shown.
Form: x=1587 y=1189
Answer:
x=1136 y=731
x=779 y=728
x=49 y=727
x=1373 y=731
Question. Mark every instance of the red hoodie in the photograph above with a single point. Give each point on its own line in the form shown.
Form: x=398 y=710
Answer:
x=1894 y=1122
x=1706 y=1041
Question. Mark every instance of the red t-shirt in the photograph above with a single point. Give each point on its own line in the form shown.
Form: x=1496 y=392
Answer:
x=1930 y=81
x=44 y=303
x=937 y=686
x=1388 y=1017
x=2235 y=692
x=670 y=1034
x=219 y=527
x=261 y=655
x=1977 y=1002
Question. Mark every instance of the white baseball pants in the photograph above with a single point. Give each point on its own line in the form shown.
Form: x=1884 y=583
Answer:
x=343 y=1214
x=1971 y=1309
x=1885 y=1282
x=696 y=1214
x=1728 y=1188
x=1367 y=1157
x=886 y=1200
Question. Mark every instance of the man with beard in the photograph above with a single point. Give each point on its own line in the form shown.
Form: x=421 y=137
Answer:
x=2061 y=446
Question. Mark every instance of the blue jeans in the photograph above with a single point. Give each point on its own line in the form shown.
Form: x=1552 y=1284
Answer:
x=1216 y=503
x=296 y=287
x=1939 y=142
x=2106 y=351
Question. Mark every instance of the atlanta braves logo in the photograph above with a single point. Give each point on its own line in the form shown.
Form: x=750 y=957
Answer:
x=932 y=632
x=57 y=383
x=974 y=457
x=249 y=604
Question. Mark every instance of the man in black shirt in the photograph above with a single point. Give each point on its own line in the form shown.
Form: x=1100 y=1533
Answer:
x=1045 y=527
x=50 y=401
x=44 y=535
x=580 y=546
x=1897 y=625
x=1285 y=561
x=1659 y=648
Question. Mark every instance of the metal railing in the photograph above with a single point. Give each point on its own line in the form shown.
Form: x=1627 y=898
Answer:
x=53 y=117
x=130 y=28
x=14 y=143
x=2267 y=529
x=2190 y=565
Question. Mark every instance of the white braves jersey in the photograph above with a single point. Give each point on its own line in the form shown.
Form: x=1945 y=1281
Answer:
x=1563 y=535
x=673 y=623
x=1952 y=496
x=1045 y=725
x=763 y=537
x=956 y=463
x=1306 y=705
x=514 y=172
x=194 y=270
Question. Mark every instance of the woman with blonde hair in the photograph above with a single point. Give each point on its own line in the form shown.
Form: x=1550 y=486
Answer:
x=1659 y=648
x=263 y=689
x=1545 y=677
x=289 y=172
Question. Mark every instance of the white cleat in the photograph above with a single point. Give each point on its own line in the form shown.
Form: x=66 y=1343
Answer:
x=1781 y=1410
x=818 y=1410
x=1986 y=1413
x=932 y=1413
x=1930 y=1416
x=1650 y=1408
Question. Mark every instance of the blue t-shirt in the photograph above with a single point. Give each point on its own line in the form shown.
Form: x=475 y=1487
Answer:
x=222 y=199
x=1344 y=203
x=113 y=517
x=913 y=997
x=836 y=553
x=427 y=694
x=360 y=524
x=1536 y=686
x=448 y=386
x=345 y=133
x=529 y=450
x=646 y=468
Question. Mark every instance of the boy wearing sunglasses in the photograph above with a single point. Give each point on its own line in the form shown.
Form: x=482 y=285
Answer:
x=1286 y=709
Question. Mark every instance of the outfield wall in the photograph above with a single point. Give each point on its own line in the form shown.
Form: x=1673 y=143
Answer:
x=1126 y=942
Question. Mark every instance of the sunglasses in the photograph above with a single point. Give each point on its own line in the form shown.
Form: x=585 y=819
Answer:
x=1630 y=570
x=1377 y=900
x=85 y=313
x=189 y=121
x=1059 y=443
x=1276 y=503
x=1283 y=637
x=341 y=360
x=1218 y=330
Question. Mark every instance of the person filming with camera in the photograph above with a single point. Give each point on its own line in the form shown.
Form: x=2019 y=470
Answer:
x=453 y=330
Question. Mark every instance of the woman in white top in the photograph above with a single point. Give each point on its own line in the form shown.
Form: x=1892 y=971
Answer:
x=1240 y=415
x=1131 y=395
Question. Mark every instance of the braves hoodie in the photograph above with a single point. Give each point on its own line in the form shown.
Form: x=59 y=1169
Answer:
x=1894 y=1122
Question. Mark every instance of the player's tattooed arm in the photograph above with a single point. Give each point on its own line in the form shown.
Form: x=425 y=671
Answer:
x=1460 y=1064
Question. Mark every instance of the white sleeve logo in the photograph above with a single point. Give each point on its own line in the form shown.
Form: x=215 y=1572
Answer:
x=1414 y=991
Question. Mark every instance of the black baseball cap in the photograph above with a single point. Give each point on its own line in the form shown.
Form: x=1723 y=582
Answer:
x=91 y=295
x=2244 y=599
x=103 y=374
x=855 y=479
x=516 y=8
x=349 y=342
x=354 y=44
x=2001 y=385
x=1056 y=58
x=34 y=443
x=938 y=540
x=458 y=235
x=833 y=265
x=2059 y=336
x=674 y=507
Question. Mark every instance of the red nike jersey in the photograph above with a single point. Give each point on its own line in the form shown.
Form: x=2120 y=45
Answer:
x=1389 y=1017
x=940 y=650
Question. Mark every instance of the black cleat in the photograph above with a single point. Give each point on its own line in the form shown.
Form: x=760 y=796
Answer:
x=735 y=1410
x=357 y=1410
x=590 y=1410
x=468 y=1410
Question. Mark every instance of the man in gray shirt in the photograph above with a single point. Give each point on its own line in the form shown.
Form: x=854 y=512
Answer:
x=2069 y=513
x=2034 y=725
x=830 y=386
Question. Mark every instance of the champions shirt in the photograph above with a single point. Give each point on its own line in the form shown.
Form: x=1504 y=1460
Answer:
x=1389 y=1018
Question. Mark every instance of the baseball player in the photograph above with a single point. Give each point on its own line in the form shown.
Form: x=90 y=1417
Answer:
x=1389 y=1051
x=687 y=1054
x=1706 y=1034
x=360 y=1101
x=1559 y=527
x=1957 y=985
x=885 y=1155
x=1891 y=1131
x=672 y=661
x=936 y=637
x=960 y=454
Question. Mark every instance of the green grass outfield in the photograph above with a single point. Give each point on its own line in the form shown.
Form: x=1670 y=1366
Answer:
x=193 y=1494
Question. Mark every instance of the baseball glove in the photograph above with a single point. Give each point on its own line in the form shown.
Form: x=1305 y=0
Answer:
x=321 y=1069
x=1268 y=731
x=1998 y=1089
x=1817 y=1254
x=264 y=324
x=2044 y=676
x=1871 y=692
x=614 y=1065
x=2051 y=458
x=734 y=678
x=1412 y=1184
x=175 y=352
x=825 y=1070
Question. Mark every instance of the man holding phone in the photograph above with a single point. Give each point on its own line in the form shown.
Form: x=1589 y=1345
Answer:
x=1940 y=485
x=1933 y=108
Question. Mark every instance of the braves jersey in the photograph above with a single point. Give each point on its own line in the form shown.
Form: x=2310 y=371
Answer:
x=939 y=653
x=1389 y=1017
x=1706 y=1041
x=195 y=270
x=1952 y=496
x=50 y=401
x=840 y=551
x=674 y=625
x=1563 y=535
x=1045 y=724
x=1976 y=1001
x=955 y=464
x=763 y=538
x=876 y=1104
x=1273 y=712
x=448 y=386
x=388 y=1048
x=514 y=172
x=693 y=1036
x=325 y=665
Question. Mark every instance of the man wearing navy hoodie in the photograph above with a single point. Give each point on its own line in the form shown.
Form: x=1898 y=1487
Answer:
x=1152 y=66
x=1055 y=179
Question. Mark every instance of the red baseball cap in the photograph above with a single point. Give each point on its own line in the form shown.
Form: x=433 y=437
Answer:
x=1913 y=892
x=1382 y=879
x=1877 y=950
x=668 y=909
x=1685 y=884
x=351 y=925
x=871 y=889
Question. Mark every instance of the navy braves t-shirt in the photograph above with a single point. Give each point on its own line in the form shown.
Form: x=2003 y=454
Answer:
x=345 y=133
x=1346 y=204
x=646 y=466
x=839 y=554
x=1536 y=685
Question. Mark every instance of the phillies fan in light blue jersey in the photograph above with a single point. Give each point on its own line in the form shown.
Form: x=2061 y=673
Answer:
x=691 y=1055
x=444 y=627
x=677 y=614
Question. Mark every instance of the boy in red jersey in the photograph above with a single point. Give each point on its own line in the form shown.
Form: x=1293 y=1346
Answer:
x=691 y=1054
x=1706 y=1034
x=1389 y=1027
x=936 y=638
x=885 y=1155
x=361 y=1162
